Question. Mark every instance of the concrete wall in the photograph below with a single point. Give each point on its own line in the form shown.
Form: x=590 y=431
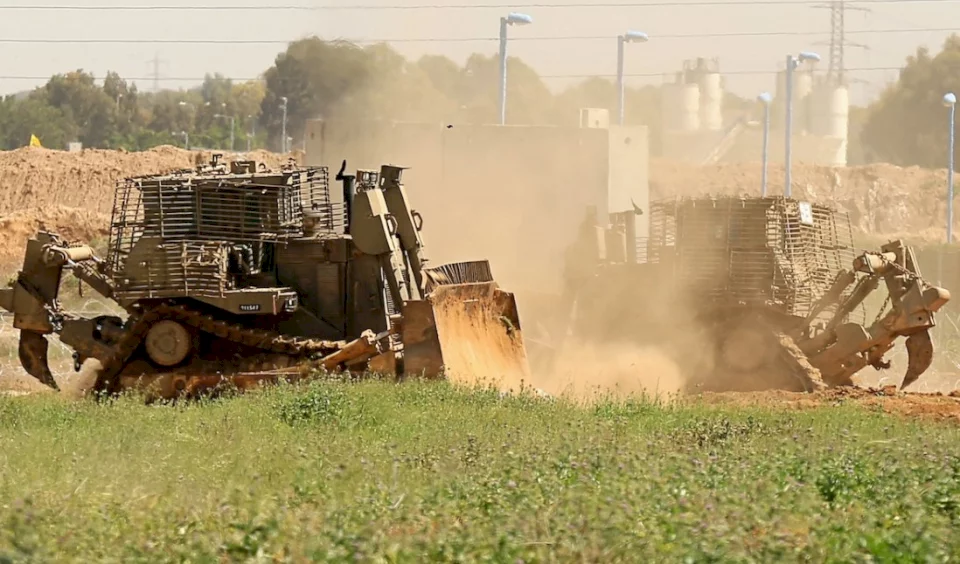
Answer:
x=512 y=194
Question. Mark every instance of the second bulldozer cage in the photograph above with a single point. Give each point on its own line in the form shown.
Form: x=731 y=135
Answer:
x=749 y=293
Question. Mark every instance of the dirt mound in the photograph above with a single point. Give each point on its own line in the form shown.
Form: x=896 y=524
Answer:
x=33 y=177
x=71 y=223
x=882 y=199
x=72 y=193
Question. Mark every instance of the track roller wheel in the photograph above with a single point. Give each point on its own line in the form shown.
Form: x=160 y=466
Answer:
x=168 y=343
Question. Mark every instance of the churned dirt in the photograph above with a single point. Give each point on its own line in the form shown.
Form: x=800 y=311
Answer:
x=888 y=399
x=479 y=344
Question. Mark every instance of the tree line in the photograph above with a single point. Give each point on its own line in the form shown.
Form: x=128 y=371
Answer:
x=318 y=78
x=336 y=79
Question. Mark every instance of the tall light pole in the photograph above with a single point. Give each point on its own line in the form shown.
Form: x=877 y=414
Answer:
x=765 y=99
x=792 y=64
x=253 y=132
x=513 y=18
x=628 y=37
x=232 y=123
x=950 y=100
x=186 y=138
x=283 y=133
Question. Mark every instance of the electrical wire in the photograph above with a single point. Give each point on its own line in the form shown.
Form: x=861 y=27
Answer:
x=709 y=35
x=744 y=72
x=380 y=7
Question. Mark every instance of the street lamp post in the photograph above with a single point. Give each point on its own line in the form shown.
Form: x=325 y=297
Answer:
x=186 y=136
x=283 y=133
x=792 y=64
x=232 y=124
x=765 y=99
x=628 y=37
x=950 y=100
x=512 y=18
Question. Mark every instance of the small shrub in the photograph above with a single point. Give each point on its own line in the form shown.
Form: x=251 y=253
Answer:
x=319 y=403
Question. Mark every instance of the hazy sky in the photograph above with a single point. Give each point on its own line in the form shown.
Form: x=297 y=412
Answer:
x=29 y=56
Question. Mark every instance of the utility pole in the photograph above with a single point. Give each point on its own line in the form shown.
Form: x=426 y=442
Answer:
x=155 y=71
x=836 y=67
x=233 y=122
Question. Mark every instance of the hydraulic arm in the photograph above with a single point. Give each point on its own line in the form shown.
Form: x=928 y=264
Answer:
x=842 y=349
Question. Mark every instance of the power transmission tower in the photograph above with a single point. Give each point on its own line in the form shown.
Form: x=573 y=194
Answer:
x=155 y=71
x=838 y=39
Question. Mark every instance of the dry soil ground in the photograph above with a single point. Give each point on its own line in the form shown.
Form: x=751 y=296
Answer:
x=888 y=399
x=72 y=193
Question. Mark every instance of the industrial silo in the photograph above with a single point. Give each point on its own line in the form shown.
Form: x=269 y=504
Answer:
x=680 y=104
x=705 y=75
x=831 y=108
x=711 y=101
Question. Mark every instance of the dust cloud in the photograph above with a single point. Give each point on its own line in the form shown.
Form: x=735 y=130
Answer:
x=77 y=385
x=585 y=372
x=623 y=334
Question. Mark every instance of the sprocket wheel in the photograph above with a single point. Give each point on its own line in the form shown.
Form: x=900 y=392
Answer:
x=168 y=343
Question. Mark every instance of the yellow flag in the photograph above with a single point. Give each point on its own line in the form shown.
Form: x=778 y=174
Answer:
x=34 y=142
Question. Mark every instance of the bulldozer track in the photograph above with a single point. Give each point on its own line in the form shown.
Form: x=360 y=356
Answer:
x=140 y=323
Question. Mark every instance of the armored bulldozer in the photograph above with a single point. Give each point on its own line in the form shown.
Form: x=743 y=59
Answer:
x=238 y=275
x=749 y=294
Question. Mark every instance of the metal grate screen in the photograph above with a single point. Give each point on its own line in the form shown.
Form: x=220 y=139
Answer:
x=216 y=206
x=754 y=251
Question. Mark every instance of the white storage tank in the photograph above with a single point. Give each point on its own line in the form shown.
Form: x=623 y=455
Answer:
x=831 y=108
x=681 y=105
x=838 y=112
x=711 y=102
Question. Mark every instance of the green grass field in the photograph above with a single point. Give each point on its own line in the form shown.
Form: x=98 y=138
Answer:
x=380 y=472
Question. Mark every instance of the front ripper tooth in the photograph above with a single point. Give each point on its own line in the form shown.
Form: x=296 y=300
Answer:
x=33 y=357
x=919 y=357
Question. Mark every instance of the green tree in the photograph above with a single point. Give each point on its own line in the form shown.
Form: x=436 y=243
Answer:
x=907 y=125
x=129 y=116
x=395 y=89
x=443 y=74
x=246 y=100
x=85 y=104
x=529 y=101
x=22 y=118
x=315 y=76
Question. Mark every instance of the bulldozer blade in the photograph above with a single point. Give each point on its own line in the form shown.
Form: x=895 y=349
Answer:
x=468 y=334
x=919 y=357
x=33 y=357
